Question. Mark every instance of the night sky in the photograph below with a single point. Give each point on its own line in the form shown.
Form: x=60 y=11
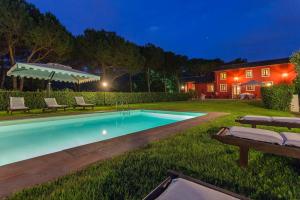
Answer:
x=226 y=29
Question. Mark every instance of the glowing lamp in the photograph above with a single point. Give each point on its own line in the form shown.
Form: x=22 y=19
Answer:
x=284 y=75
x=104 y=84
x=182 y=87
x=268 y=84
x=236 y=78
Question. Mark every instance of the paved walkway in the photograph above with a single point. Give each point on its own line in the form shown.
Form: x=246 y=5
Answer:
x=20 y=175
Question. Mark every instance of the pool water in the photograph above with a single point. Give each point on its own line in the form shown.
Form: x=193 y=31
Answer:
x=24 y=139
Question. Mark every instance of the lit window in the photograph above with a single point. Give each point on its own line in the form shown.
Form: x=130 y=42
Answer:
x=210 y=88
x=250 y=87
x=265 y=72
x=223 y=87
x=267 y=83
x=249 y=74
x=223 y=76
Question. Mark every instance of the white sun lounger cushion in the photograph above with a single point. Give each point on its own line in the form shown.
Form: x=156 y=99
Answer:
x=256 y=134
x=181 y=189
x=287 y=119
x=17 y=103
x=291 y=139
x=257 y=118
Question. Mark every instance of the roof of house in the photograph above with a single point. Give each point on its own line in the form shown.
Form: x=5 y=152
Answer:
x=254 y=64
x=203 y=78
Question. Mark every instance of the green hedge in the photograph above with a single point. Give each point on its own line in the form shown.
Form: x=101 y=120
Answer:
x=277 y=97
x=35 y=99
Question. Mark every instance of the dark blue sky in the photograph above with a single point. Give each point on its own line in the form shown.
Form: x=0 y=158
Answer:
x=226 y=29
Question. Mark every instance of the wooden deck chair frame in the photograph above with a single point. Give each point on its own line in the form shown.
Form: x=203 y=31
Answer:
x=64 y=107
x=246 y=144
x=173 y=175
x=11 y=110
x=83 y=106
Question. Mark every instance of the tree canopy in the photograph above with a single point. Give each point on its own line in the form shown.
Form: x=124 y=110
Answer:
x=28 y=35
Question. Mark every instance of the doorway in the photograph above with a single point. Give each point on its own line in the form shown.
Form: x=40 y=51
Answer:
x=236 y=91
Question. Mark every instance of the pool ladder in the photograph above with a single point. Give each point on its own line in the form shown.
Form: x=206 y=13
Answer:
x=123 y=108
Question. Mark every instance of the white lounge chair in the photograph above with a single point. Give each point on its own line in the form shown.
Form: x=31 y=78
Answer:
x=284 y=144
x=178 y=187
x=17 y=104
x=51 y=104
x=80 y=102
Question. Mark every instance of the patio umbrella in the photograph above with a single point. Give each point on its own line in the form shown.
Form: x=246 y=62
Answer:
x=252 y=82
x=51 y=71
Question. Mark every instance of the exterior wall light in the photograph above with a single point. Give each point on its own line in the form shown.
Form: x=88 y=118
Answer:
x=284 y=75
x=236 y=78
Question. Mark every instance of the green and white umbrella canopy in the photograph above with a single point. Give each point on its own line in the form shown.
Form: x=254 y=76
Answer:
x=51 y=71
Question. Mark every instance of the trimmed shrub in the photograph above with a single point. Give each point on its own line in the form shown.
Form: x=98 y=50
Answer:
x=277 y=97
x=35 y=99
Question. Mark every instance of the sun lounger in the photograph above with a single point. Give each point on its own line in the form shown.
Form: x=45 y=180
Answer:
x=16 y=104
x=283 y=144
x=51 y=104
x=178 y=186
x=289 y=122
x=79 y=102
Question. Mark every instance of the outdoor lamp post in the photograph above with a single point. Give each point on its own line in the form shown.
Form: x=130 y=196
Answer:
x=182 y=88
x=104 y=85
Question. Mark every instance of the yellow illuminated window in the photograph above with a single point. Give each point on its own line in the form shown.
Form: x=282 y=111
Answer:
x=223 y=87
x=250 y=88
x=223 y=76
x=265 y=72
x=210 y=88
x=249 y=74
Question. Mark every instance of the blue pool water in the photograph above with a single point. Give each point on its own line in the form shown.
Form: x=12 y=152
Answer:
x=24 y=139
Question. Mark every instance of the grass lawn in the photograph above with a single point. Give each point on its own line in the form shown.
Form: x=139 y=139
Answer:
x=133 y=175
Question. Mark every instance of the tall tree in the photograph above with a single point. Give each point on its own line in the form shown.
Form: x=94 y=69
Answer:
x=3 y=53
x=14 y=18
x=173 y=66
x=203 y=66
x=154 y=59
x=180 y=64
x=97 y=48
x=113 y=54
x=134 y=62
x=47 y=40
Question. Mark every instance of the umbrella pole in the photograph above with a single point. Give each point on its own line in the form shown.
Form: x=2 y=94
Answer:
x=48 y=88
x=49 y=83
x=78 y=86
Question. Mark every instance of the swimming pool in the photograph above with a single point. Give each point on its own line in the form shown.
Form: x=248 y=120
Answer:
x=25 y=139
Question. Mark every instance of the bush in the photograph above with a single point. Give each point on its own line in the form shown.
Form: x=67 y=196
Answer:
x=35 y=99
x=277 y=97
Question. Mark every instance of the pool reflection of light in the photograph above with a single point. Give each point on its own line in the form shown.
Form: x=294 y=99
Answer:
x=104 y=132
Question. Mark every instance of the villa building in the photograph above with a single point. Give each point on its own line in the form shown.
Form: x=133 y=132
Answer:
x=230 y=81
